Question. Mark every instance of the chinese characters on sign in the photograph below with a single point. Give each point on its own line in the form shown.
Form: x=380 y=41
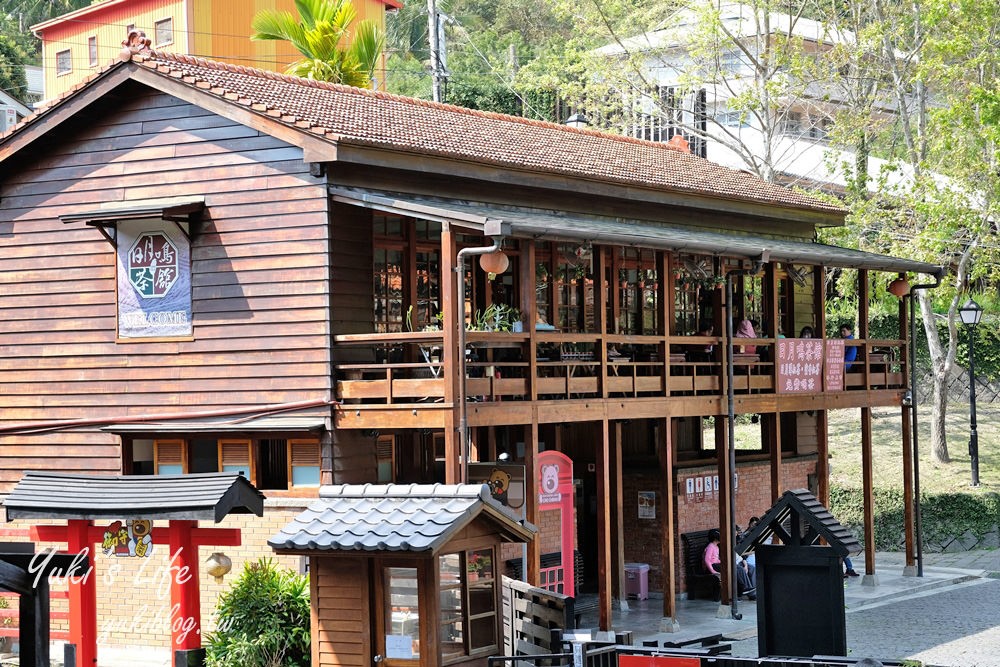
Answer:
x=133 y=538
x=833 y=378
x=800 y=365
x=154 y=280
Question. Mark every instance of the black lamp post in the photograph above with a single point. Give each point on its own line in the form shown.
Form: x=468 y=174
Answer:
x=971 y=313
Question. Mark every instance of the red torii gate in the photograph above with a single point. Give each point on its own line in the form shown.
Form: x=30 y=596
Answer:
x=182 y=500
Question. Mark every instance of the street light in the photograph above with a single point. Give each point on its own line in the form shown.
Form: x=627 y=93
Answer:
x=971 y=313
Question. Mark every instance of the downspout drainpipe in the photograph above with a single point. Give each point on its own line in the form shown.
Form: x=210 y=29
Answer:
x=731 y=423
x=463 y=422
x=913 y=417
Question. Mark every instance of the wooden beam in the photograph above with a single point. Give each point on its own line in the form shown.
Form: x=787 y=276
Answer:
x=618 y=523
x=604 y=528
x=665 y=448
x=909 y=521
x=774 y=442
x=725 y=517
x=452 y=305
x=529 y=311
x=823 y=457
x=533 y=566
x=868 y=489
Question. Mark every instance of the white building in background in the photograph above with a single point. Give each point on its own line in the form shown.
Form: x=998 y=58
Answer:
x=678 y=89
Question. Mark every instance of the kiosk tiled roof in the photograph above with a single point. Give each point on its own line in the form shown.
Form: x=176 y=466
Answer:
x=204 y=496
x=393 y=517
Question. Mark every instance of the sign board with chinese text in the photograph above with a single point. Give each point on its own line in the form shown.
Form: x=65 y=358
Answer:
x=833 y=375
x=154 y=280
x=800 y=365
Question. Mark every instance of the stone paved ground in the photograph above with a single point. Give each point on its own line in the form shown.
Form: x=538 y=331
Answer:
x=958 y=626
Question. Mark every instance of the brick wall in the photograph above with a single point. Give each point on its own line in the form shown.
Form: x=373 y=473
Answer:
x=753 y=497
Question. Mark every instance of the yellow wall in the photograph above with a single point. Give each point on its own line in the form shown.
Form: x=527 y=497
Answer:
x=109 y=25
x=215 y=30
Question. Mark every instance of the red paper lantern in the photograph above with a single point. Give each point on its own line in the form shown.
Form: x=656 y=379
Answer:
x=494 y=262
x=899 y=288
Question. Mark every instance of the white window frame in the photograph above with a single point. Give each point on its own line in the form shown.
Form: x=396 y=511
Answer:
x=92 y=50
x=69 y=57
x=169 y=22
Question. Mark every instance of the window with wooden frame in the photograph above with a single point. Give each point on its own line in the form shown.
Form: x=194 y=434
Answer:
x=237 y=456
x=303 y=462
x=170 y=457
x=637 y=287
x=385 y=458
x=574 y=290
x=407 y=273
x=468 y=615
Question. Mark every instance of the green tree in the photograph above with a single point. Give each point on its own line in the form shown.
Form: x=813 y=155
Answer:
x=320 y=34
x=12 y=77
x=263 y=620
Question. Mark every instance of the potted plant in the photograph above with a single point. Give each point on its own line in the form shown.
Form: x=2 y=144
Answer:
x=497 y=317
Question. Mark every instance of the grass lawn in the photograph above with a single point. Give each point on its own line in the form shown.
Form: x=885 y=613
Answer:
x=845 y=449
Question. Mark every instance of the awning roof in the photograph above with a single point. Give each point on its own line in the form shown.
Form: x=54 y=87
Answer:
x=541 y=224
x=268 y=425
x=194 y=497
x=178 y=209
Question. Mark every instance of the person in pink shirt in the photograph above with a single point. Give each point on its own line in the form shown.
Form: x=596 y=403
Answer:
x=713 y=564
x=710 y=558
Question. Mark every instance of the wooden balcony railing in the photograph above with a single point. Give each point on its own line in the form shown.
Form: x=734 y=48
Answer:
x=407 y=367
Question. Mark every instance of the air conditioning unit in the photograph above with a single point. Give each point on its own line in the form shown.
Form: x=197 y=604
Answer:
x=8 y=117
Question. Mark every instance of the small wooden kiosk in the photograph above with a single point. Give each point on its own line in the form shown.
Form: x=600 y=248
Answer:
x=405 y=575
x=800 y=588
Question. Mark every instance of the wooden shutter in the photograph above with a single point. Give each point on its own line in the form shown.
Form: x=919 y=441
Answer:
x=237 y=456
x=170 y=454
x=303 y=463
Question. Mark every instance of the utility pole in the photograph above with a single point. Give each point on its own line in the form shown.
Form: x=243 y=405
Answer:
x=434 y=36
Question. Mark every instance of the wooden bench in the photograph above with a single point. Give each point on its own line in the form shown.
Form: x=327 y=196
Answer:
x=699 y=583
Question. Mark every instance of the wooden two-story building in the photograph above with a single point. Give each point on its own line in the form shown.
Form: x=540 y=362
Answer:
x=206 y=267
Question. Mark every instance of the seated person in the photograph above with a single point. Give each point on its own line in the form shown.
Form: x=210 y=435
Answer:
x=807 y=332
x=850 y=351
x=713 y=565
x=745 y=330
x=701 y=352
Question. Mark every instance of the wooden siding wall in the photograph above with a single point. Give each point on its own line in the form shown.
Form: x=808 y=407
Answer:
x=354 y=457
x=352 y=292
x=341 y=624
x=259 y=276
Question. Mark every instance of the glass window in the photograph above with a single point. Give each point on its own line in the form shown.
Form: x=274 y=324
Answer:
x=388 y=290
x=64 y=62
x=164 y=31
x=467 y=584
x=402 y=615
x=92 y=50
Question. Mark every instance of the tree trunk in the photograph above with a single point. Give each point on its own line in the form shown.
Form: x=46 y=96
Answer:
x=939 y=410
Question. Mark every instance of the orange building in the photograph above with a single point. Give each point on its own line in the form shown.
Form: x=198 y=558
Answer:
x=78 y=44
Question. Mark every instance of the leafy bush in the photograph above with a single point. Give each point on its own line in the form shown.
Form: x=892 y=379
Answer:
x=943 y=516
x=263 y=620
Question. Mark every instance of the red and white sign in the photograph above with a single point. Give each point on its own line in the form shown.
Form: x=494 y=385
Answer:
x=800 y=365
x=833 y=377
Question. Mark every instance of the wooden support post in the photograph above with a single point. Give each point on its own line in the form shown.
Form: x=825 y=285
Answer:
x=725 y=517
x=665 y=448
x=529 y=313
x=665 y=313
x=867 y=480
x=533 y=566
x=618 y=522
x=823 y=457
x=774 y=442
x=601 y=315
x=453 y=307
x=864 y=353
x=604 y=528
x=326 y=442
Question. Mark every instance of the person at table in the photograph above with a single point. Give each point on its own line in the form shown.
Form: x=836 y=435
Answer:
x=850 y=351
x=713 y=565
x=807 y=332
x=702 y=352
x=745 y=330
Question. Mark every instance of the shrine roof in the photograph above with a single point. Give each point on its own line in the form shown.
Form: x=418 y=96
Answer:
x=205 y=496
x=394 y=517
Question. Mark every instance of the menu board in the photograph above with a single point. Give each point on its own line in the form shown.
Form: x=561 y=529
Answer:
x=833 y=377
x=800 y=365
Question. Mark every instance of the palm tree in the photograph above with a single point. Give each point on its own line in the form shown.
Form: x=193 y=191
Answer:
x=325 y=27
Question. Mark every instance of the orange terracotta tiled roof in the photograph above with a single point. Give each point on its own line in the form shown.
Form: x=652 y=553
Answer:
x=359 y=116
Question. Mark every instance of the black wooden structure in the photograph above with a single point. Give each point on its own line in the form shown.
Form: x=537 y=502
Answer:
x=800 y=587
x=26 y=573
